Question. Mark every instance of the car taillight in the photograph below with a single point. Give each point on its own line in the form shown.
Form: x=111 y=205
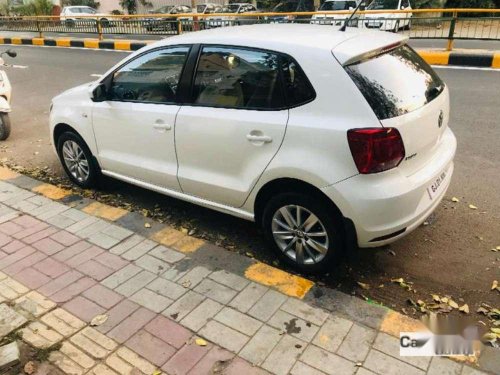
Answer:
x=376 y=149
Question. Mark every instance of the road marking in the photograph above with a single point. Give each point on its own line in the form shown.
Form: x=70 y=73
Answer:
x=286 y=283
x=81 y=48
x=435 y=57
x=96 y=75
x=188 y=244
x=7 y=174
x=105 y=211
x=464 y=68
x=51 y=191
x=19 y=66
x=167 y=236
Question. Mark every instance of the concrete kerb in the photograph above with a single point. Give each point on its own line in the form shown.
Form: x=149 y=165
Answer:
x=214 y=258
x=470 y=58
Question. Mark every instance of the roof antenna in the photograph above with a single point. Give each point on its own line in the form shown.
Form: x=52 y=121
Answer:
x=344 y=26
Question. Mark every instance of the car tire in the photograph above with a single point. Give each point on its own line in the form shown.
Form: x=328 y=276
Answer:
x=329 y=222
x=77 y=160
x=4 y=126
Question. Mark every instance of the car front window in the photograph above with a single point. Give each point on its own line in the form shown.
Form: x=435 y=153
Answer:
x=151 y=78
x=383 y=4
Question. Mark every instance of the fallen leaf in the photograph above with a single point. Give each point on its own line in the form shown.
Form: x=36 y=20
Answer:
x=156 y=372
x=495 y=330
x=186 y=283
x=400 y=280
x=464 y=309
x=436 y=298
x=200 y=342
x=184 y=230
x=472 y=207
x=363 y=285
x=482 y=310
x=494 y=285
x=147 y=225
x=29 y=367
x=445 y=299
x=99 y=319
x=453 y=304
x=455 y=199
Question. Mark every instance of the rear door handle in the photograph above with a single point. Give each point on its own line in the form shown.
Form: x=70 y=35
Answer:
x=259 y=138
x=162 y=127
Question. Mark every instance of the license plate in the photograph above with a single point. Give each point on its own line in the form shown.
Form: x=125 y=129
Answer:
x=437 y=185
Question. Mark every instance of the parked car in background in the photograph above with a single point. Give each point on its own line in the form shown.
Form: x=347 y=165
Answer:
x=233 y=10
x=209 y=8
x=388 y=21
x=167 y=23
x=77 y=15
x=290 y=6
x=332 y=18
x=322 y=137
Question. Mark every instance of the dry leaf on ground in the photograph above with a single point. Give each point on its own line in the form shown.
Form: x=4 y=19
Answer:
x=99 y=319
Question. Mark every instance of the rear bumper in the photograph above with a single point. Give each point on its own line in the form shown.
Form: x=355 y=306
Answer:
x=387 y=206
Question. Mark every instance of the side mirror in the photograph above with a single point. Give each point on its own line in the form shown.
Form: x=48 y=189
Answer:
x=99 y=93
x=402 y=7
x=351 y=8
x=11 y=53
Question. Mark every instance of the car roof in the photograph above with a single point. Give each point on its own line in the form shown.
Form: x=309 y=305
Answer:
x=290 y=38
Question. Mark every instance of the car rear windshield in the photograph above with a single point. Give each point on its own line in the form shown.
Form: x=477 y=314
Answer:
x=396 y=83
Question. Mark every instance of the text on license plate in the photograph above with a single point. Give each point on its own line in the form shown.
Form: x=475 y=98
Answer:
x=436 y=186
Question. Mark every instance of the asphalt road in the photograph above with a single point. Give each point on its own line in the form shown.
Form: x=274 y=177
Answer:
x=449 y=256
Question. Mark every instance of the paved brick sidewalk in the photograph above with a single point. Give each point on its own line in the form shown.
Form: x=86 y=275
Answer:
x=60 y=267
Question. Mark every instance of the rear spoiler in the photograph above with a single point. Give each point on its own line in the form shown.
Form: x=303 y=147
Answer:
x=366 y=46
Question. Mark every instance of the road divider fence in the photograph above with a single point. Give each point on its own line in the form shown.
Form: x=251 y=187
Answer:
x=450 y=24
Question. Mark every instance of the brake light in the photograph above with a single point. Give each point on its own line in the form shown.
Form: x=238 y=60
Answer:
x=376 y=149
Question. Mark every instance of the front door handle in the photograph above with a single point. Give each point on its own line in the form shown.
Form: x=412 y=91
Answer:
x=259 y=138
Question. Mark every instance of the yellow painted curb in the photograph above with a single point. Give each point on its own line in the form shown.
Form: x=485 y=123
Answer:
x=105 y=211
x=496 y=61
x=291 y=285
x=2 y=41
x=435 y=57
x=394 y=323
x=188 y=244
x=37 y=41
x=63 y=42
x=7 y=174
x=16 y=41
x=167 y=236
x=51 y=191
x=91 y=43
x=123 y=45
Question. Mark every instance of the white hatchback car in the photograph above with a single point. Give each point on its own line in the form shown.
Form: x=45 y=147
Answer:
x=320 y=136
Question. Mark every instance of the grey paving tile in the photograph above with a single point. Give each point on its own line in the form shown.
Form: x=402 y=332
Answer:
x=357 y=343
x=444 y=366
x=201 y=314
x=293 y=326
x=216 y=291
x=248 y=297
x=302 y=310
x=224 y=336
x=381 y=363
x=332 y=333
x=135 y=283
x=121 y=276
x=238 y=321
x=183 y=306
x=167 y=288
x=327 y=362
x=267 y=305
x=390 y=345
x=261 y=344
x=151 y=300
x=284 y=355
x=229 y=279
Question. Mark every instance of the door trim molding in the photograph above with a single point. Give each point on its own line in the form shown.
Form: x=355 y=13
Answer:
x=185 y=197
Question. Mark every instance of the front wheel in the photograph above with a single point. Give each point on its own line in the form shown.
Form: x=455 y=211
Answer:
x=304 y=231
x=4 y=126
x=77 y=160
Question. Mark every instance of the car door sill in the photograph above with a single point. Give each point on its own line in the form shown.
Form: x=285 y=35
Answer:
x=179 y=195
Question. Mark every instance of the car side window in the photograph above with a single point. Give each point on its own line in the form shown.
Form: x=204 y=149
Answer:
x=151 y=78
x=298 y=89
x=405 y=3
x=242 y=78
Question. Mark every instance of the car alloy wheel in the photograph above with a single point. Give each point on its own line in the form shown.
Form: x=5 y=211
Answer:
x=300 y=234
x=76 y=161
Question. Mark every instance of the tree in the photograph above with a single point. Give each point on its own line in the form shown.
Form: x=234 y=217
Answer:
x=427 y=4
x=131 y=5
x=35 y=8
x=90 y=3
x=471 y=3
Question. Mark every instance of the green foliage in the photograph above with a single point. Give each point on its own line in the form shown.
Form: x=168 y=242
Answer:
x=35 y=8
x=470 y=4
x=427 y=4
x=90 y=3
x=131 y=5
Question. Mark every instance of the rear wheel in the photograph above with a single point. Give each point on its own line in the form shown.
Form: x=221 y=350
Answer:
x=77 y=160
x=304 y=231
x=4 y=126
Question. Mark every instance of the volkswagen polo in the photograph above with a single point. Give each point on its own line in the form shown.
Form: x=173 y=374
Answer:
x=320 y=136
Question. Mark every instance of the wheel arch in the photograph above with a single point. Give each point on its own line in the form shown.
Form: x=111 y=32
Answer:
x=288 y=185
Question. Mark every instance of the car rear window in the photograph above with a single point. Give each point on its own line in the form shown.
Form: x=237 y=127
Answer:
x=396 y=83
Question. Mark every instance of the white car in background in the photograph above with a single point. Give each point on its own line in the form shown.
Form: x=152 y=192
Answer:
x=77 y=15
x=331 y=18
x=232 y=10
x=322 y=137
x=388 y=21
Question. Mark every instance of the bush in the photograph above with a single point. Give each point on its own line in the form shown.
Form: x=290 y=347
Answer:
x=89 y=3
x=35 y=8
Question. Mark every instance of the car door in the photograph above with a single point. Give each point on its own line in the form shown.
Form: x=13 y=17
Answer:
x=134 y=128
x=234 y=125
